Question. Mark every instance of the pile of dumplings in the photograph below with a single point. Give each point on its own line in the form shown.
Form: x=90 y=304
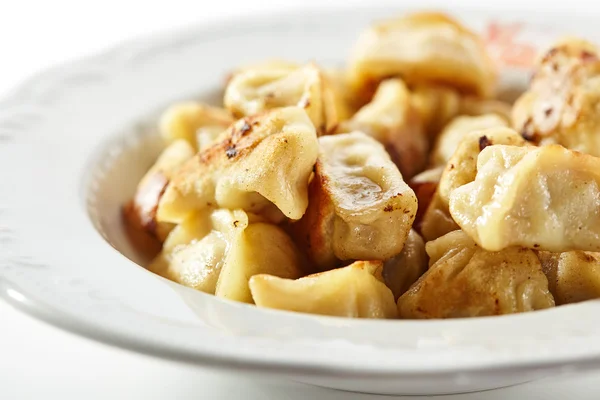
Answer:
x=399 y=187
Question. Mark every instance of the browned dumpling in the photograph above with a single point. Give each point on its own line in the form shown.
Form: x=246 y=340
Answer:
x=573 y=276
x=197 y=123
x=460 y=170
x=360 y=207
x=463 y=280
x=392 y=119
x=401 y=271
x=141 y=211
x=543 y=198
x=267 y=86
x=451 y=136
x=561 y=105
x=355 y=291
x=422 y=47
x=260 y=163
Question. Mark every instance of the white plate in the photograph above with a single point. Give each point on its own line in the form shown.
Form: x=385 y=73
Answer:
x=75 y=140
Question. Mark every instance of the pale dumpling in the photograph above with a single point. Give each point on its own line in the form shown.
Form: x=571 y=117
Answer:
x=392 y=119
x=464 y=280
x=460 y=170
x=255 y=90
x=422 y=47
x=573 y=276
x=354 y=291
x=360 y=207
x=194 y=251
x=141 y=211
x=197 y=123
x=262 y=161
x=401 y=271
x=543 y=198
x=451 y=136
x=220 y=251
x=561 y=105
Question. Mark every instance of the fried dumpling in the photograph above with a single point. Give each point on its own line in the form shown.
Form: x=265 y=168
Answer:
x=464 y=280
x=451 y=136
x=401 y=271
x=263 y=160
x=392 y=119
x=360 y=207
x=197 y=123
x=353 y=291
x=461 y=169
x=422 y=48
x=220 y=251
x=573 y=276
x=255 y=90
x=561 y=105
x=543 y=198
x=141 y=211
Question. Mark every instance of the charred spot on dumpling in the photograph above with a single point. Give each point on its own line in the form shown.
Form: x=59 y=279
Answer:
x=588 y=56
x=231 y=151
x=245 y=129
x=528 y=130
x=484 y=142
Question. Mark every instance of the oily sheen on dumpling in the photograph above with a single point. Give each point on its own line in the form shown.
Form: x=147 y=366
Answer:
x=422 y=47
x=561 y=105
x=460 y=170
x=401 y=271
x=225 y=250
x=392 y=119
x=264 y=87
x=464 y=280
x=573 y=276
x=543 y=198
x=141 y=211
x=360 y=207
x=355 y=291
x=197 y=123
x=263 y=160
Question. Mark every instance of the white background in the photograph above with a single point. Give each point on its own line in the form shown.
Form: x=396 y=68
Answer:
x=41 y=362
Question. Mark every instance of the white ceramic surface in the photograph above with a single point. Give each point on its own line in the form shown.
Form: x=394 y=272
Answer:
x=74 y=140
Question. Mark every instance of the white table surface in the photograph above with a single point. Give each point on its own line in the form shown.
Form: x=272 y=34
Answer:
x=38 y=361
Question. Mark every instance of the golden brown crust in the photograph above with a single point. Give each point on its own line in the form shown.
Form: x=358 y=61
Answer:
x=360 y=208
x=261 y=162
x=464 y=280
x=314 y=231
